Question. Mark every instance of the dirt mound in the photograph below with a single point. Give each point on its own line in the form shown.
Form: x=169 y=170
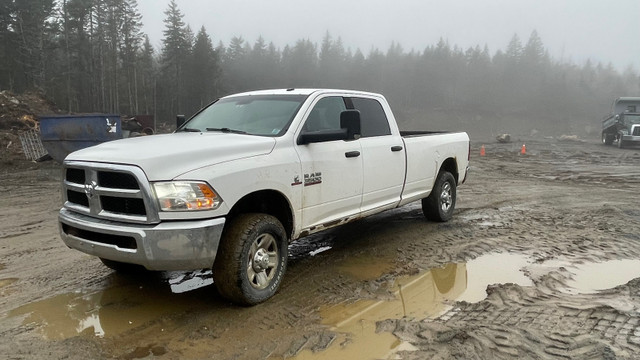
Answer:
x=19 y=114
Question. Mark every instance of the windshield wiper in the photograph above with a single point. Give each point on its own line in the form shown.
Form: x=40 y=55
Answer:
x=190 y=129
x=227 y=130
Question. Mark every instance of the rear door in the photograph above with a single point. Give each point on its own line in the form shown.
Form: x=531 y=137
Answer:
x=383 y=156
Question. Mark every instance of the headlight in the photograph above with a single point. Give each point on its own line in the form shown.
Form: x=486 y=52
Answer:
x=186 y=196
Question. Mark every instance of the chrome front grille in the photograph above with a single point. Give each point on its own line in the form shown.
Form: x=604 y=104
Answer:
x=108 y=191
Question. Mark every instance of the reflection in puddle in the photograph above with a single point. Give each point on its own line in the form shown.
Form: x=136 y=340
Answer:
x=422 y=296
x=127 y=304
x=592 y=277
x=187 y=281
x=319 y=250
x=419 y=296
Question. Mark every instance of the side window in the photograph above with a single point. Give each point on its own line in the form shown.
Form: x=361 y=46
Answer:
x=325 y=115
x=374 y=120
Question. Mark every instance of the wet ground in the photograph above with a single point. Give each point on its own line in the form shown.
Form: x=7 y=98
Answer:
x=541 y=260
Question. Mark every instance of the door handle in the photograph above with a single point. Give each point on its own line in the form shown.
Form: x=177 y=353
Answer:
x=351 y=154
x=396 y=148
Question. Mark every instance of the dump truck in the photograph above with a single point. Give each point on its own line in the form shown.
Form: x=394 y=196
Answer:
x=623 y=123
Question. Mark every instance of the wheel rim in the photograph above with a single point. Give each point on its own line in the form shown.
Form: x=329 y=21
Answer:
x=446 y=197
x=263 y=261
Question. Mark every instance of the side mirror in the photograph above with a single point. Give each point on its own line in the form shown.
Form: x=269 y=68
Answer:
x=349 y=130
x=350 y=120
x=322 y=136
x=180 y=120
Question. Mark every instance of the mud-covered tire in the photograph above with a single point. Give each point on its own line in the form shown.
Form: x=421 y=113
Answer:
x=251 y=259
x=607 y=139
x=123 y=268
x=439 y=205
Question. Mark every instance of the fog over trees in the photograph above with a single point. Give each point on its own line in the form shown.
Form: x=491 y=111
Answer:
x=91 y=56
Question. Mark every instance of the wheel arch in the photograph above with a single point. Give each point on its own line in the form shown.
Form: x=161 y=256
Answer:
x=270 y=202
x=450 y=165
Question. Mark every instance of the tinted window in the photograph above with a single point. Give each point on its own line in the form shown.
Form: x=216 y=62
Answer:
x=373 y=119
x=325 y=114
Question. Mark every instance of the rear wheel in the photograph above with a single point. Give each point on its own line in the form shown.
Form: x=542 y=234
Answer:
x=439 y=205
x=251 y=259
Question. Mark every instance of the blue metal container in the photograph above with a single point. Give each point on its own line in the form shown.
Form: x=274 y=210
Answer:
x=63 y=134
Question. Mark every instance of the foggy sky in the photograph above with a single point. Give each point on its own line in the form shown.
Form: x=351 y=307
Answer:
x=571 y=30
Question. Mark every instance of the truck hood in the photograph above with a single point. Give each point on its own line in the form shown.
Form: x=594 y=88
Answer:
x=164 y=157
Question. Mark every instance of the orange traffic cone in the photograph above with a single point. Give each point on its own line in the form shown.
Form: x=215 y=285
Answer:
x=482 y=153
x=523 y=151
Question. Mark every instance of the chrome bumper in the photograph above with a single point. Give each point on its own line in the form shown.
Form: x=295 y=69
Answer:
x=174 y=245
x=631 y=138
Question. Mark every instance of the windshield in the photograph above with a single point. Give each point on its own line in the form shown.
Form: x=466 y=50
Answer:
x=632 y=119
x=266 y=115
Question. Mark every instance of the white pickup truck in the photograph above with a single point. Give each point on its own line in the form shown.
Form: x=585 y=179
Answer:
x=248 y=174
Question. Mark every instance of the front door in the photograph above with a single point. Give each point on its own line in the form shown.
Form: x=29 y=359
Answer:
x=332 y=170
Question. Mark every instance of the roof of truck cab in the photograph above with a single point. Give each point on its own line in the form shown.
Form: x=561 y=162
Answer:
x=303 y=91
x=627 y=98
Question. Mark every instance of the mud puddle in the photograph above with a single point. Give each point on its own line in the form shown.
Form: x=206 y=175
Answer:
x=125 y=305
x=432 y=294
x=426 y=295
x=593 y=277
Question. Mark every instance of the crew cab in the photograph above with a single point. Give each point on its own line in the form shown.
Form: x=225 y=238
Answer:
x=247 y=175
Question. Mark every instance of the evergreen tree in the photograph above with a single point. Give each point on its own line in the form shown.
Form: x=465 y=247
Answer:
x=8 y=42
x=175 y=51
x=514 y=49
x=203 y=72
x=34 y=28
x=131 y=38
x=146 y=74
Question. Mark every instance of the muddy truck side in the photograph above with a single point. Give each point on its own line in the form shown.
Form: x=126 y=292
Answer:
x=623 y=123
x=248 y=174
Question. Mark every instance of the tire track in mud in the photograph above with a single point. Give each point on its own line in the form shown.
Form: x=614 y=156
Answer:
x=522 y=322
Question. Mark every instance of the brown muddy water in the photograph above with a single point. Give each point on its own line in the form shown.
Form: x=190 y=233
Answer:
x=592 y=277
x=128 y=303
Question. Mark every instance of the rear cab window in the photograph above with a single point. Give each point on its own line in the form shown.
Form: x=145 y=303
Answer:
x=373 y=119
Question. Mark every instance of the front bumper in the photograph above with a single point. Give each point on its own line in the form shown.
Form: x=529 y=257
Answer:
x=629 y=139
x=172 y=245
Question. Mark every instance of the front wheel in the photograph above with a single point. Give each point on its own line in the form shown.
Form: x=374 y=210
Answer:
x=251 y=259
x=439 y=205
x=607 y=139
